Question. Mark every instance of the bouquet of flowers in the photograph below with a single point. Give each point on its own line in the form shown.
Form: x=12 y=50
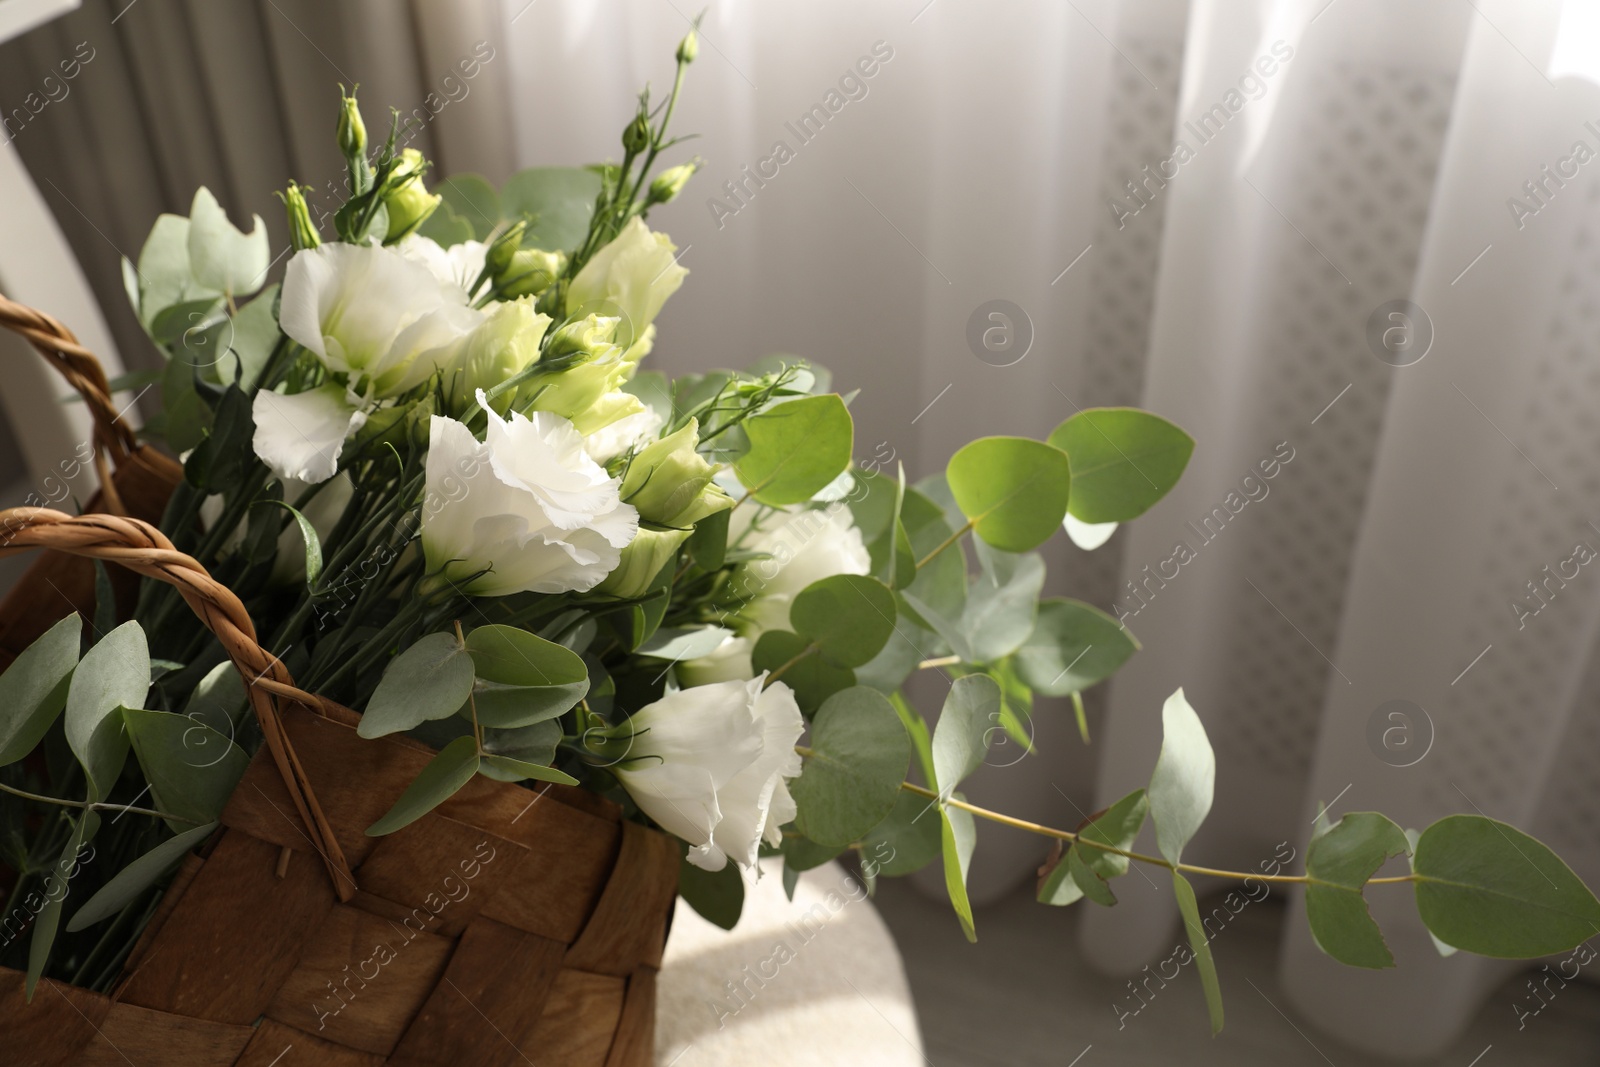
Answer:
x=433 y=467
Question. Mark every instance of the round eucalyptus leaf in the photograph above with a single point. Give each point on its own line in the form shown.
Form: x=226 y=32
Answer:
x=1014 y=490
x=851 y=781
x=1123 y=461
x=796 y=448
x=1072 y=646
x=1489 y=888
x=849 y=617
x=429 y=680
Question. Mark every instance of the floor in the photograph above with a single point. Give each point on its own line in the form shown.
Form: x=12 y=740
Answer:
x=1021 y=998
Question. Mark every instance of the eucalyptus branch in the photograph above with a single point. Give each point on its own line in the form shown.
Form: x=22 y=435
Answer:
x=1089 y=842
x=91 y=805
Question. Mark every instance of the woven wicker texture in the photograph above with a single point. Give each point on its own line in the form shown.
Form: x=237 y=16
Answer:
x=508 y=926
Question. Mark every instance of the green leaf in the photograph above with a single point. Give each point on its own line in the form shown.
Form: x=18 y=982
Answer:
x=1123 y=461
x=1489 y=888
x=681 y=643
x=1058 y=888
x=49 y=917
x=717 y=896
x=1001 y=608
x=220 y=256
x=804 y=854
x=440 y=780
x=1200 y=945
x=515 y=770
x=813 y=679
x=446 y=228
x=33 y=690
x=105 y=600
x=523 y=678
x=917 y=730
x=970 y=715
x=558 y=201
x=219 y=699
x=474 y=200
x=164 y=276
x=1116 y=827
x=313 y=543
x=796 y=448
x=1013 y=490
x=949 y=630
x=958 y=836
x=898 y=658
x=534 y=744
x=191 y=768
x=114 y=674
x=1412 y=837
x=429 y=680
x=1093 y=886
x=941 y=583
x=1073 y=646
x=1185 y=777
x=1339 y=861
x=708 y=545
x=136 y=877
x=849 y=617
x=859 y=756
x=907 y=841
x=254 y=336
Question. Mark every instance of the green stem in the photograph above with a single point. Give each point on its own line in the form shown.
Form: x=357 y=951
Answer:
x=88 y=805
x=775 y=675
x=946 y=543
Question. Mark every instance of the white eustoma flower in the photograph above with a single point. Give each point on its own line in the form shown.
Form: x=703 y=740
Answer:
x=525 y=510
x=802 y=546
x=728 y=662
x=631 y=278
x=458 y=265
x=711 y=764
x=300 y=436
x=366 y=312
x=609 y=442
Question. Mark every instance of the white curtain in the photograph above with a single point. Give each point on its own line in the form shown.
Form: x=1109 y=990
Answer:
x=1334 y=158
x=1205 y=207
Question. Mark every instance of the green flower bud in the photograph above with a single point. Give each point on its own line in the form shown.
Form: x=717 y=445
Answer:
x=670 y=182
x=302 y=231
x=531 y=272
x=689 y=47
x=670 y=483
x=592 y=335
x=406 y=199
x=636 y=137
x=504 y=248
x=352 y=131
x=642 y=560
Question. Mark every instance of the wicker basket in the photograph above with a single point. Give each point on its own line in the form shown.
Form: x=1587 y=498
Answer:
x=509 y=926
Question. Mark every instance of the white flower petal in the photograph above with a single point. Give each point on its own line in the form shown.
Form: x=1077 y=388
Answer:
x=300 y=436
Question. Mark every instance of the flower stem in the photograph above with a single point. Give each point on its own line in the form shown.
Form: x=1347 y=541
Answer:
x=775 y=675
x=88 y=805
x=948 y=541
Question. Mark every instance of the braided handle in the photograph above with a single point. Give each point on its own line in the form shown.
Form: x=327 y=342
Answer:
x=142 y=548
x=112 y=436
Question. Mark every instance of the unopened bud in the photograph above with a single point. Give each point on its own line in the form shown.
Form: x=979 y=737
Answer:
x=352 y=131
x=689 y=47
x=498 y=259
x=302 y=230
x=530 y=273
x=670 y=182
x=407 y=200
x=636 y=138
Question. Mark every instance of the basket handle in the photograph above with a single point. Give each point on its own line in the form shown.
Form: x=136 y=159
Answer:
x=113 y=440
x=142 y=548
